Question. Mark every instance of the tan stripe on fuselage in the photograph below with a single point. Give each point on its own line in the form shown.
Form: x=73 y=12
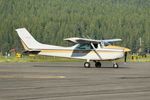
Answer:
x=76 y=51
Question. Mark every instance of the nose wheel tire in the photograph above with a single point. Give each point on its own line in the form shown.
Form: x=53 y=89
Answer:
x=87 y=65
x=115 y=65
x=97 y=64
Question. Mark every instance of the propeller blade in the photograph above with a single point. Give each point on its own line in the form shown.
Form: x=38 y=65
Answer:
x=125 y=57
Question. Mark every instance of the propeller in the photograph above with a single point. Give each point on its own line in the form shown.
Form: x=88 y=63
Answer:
x=125 y=56
x=126 y=50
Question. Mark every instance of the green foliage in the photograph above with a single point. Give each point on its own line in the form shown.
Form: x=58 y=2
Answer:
x=50 y=21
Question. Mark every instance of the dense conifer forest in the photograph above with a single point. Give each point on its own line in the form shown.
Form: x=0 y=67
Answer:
x=50 y=21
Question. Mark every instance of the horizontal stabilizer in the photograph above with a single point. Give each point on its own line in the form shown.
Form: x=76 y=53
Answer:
x=30 y=52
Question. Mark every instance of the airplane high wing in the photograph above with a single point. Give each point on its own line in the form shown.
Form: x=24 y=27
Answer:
x=88 y=49
x=85 y=40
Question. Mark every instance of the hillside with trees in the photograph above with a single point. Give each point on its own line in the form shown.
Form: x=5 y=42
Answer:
x=50 y=21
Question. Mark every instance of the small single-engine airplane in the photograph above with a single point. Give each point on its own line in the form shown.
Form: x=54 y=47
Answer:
x=83 y=48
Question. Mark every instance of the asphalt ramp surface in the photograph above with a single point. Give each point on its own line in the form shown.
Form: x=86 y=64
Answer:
x=71 y=81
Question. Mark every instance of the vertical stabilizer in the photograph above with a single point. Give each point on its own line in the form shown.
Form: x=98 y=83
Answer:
x=27 y=39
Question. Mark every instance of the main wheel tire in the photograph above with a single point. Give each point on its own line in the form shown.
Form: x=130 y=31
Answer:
x=98 y=64
x=115 y=65
x=87 y=65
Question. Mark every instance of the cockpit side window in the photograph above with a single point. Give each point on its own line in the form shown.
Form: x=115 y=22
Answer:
x=106 y=44
x=84 y=47
x=87 y=46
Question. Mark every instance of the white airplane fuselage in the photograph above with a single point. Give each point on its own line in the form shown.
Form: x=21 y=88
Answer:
x=74 y=52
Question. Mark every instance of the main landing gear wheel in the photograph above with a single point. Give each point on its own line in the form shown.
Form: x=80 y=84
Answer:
x=87 y=65
x=98 y=64
x=115 y=65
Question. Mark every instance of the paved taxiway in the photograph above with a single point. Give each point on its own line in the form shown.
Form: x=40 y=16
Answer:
x=70 y=81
